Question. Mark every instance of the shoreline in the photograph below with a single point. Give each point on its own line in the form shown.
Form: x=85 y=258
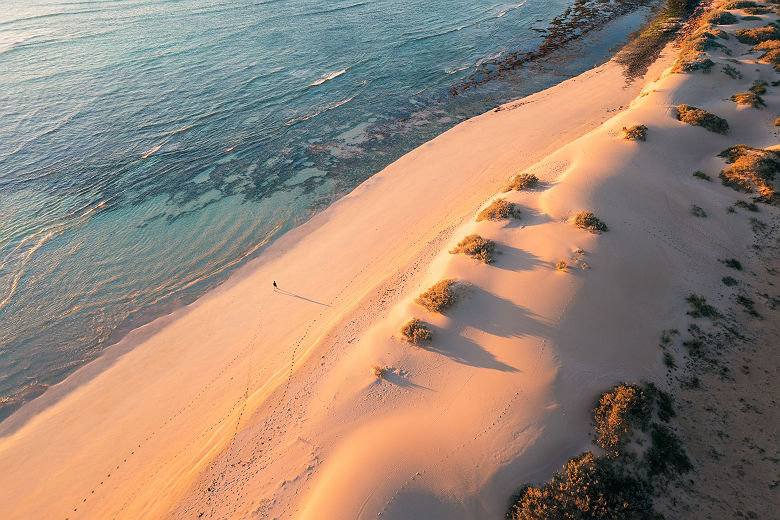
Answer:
x=112 y=379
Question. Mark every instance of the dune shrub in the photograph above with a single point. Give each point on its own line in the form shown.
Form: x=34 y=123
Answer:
x=721 y=18
x=697 y=211
x=618 y=413
x=378 y=371
x=561 y=265
x=731 y=263
x=751 y=170
x=416 y=332
x=438 y=297
x=701 y=175
x=700 y=308
x=771 y=52
x=695 y=116
x=754 y=36
x=731 y=72
x=757 y=10
x=499 y=209
x=588 y=487
x=777 y=121
x=635 y=133
x=523 y=181
x=691 y=62
x=476 y=247
x=739 y=4
x=587 y=220
x=750 y=99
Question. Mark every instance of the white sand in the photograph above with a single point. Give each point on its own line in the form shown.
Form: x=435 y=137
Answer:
x=251 y=403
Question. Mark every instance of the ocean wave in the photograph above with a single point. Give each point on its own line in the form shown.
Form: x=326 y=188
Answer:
x=510 y=9
x=318 y=112
x=337 y=9
x=328 y=77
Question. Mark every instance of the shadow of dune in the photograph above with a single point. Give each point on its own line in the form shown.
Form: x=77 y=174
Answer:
x=400 y=381
x=483 y=310
x=513 y=259
x=288 y=293
x=465 y=351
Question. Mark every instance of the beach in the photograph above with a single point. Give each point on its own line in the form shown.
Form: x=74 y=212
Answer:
x=258 y=402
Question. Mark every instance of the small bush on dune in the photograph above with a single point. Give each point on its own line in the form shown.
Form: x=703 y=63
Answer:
x=771 y=52
x=754 y=36
x=499 y=209
x=750 y=99
x=587 y=220
x=722 y=18
x=700 y=308
x=523 y=181
x=618 y=413
x=695 y=116
x=476 y=247
x=416 y=332
x=438 y=297
x=691 y=62
x=731 y=72
x=378 y=371
x=561 y=265
x=751 y=169
x=739 y=4
x=701 y=175
x=635 y=133
x=731 y=263
x=777 y=121
x=757 y=10
x=697 y=211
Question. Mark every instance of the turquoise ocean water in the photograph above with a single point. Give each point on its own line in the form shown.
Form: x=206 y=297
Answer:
x=149 y=146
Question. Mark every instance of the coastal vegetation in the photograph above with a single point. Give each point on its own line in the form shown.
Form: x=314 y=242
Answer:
x=642 y=455
x=751 y=170
x=587 y=220
x=378 y=371
x=697 y=117
x=750 y=99
x=523 y=181
x=438 y=297
x=499 y=209
x=697 y=211
x=701 y=175
x=416 y=332
x=476 y=247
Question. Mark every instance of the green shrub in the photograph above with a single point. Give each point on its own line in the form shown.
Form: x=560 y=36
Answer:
x=739 y=4
x=697 y=211
x=635 y=133
x=416 y=332
x=499 y=209
x=438 y=297
x=587 y=220
x=695 y=116
x=731 y=72
x=701 y=175
x=731 y=263
x=757 y=10
x=729 y=281
x=476 y=247
x=523 y=181
x=666 y=455
x=700 y=308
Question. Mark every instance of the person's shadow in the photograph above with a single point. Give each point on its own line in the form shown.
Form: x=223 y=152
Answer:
x=288 y=293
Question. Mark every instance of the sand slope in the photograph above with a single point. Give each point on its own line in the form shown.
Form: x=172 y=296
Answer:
x=127 y=435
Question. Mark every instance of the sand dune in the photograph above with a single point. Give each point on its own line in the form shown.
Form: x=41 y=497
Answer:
x=252 y=403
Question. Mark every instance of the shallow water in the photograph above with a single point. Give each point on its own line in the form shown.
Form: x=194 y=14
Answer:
x=148 y=146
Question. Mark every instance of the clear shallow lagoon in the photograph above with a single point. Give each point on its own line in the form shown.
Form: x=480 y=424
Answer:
x=148 y=146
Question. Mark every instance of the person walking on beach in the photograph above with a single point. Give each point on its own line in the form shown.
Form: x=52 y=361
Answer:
x=275 y=286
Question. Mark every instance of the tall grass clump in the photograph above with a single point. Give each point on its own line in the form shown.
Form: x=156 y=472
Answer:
x=587 y=220
x=499 y=209
x=523 y=181
x=476 y=247
x=438 y=297
x=416 y=332
x=697 y=117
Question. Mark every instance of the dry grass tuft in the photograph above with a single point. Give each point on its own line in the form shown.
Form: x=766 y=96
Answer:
x=635 y=133
x=476 y=247
x=697 y=117
x=750 y=99
x=755 y=36
x=499 y=209
x=524 y=181
x=561 y=265
x=438 y=297
x=751 y=170
x=587 y=220
x=416 y=332
x=378 y=371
